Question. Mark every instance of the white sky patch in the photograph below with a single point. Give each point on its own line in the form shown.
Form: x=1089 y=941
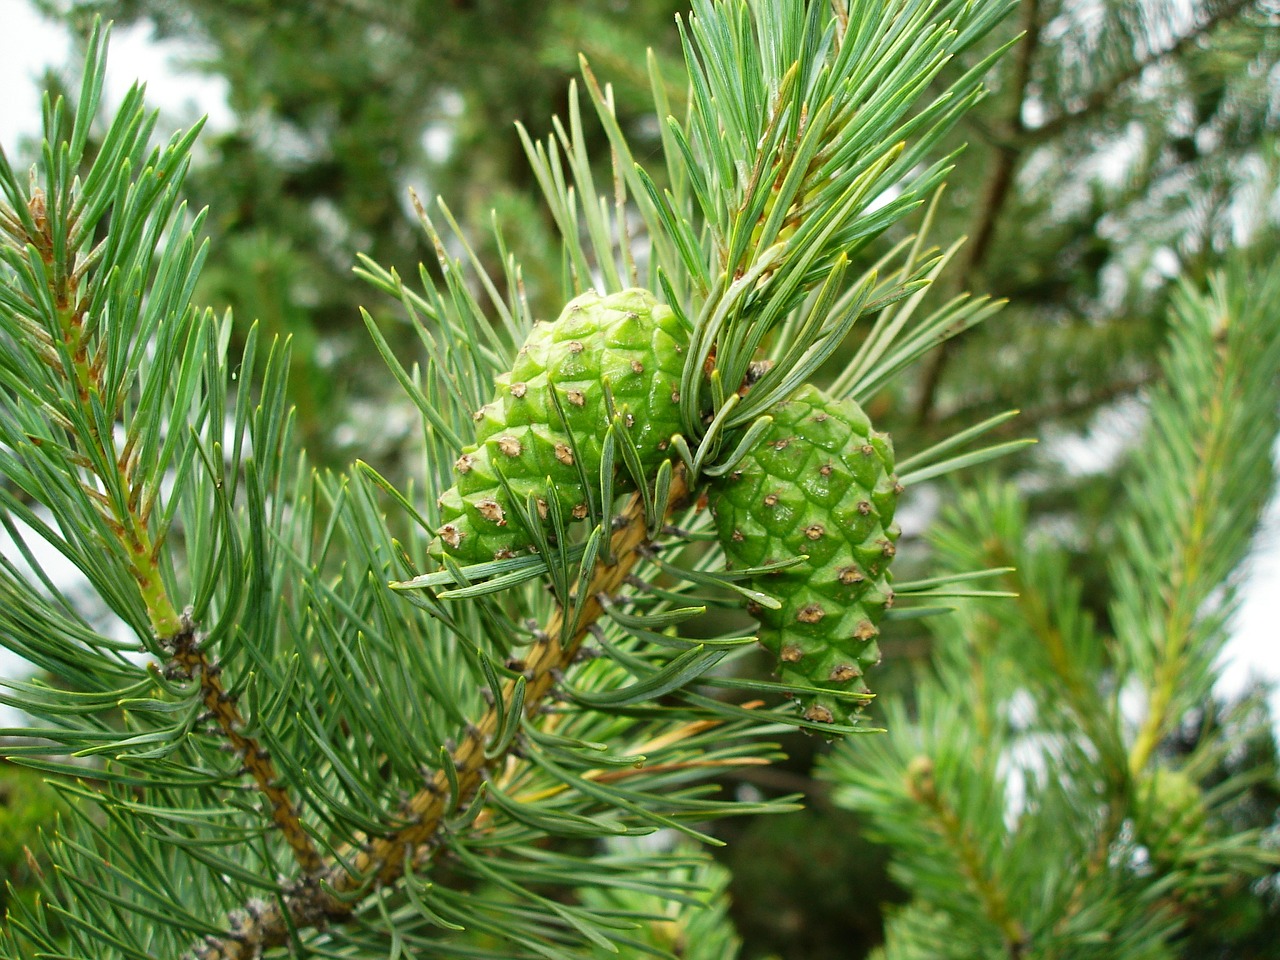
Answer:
x=437 y=136
x=1109 y=437
x=30 y=43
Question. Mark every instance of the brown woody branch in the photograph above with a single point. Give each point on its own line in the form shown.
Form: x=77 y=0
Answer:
x=190 y=662
x=1013 y=139
x=995 y=193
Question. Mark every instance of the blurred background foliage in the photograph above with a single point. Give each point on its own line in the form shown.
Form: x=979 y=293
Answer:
x=27 y=805
x=1125 y=143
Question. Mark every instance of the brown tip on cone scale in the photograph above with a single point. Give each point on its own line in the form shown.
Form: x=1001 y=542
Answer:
x=810 y=613
x=492 y=511
x=851 y=575
x=819 y=714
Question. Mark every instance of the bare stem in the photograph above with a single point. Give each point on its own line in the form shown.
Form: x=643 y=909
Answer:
x=194 y=664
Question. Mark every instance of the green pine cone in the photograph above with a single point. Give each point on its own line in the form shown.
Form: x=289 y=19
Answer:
x=819 y=483
x=627 y=338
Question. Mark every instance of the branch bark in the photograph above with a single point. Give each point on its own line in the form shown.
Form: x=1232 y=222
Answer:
x=194 y=664
x=1012 y=140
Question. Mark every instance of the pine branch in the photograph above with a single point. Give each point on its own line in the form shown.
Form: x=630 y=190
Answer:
x=1012 y=142
x=923 y=789
x=351 y=705
x=1043 y=626
x=89 y=390
x=817 y=157
x=356 y=874
x=111 y=483
x=1126 y=836
x=191 y=663
x=1196 y=506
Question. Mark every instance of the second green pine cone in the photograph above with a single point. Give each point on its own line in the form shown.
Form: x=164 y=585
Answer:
x=819 y=483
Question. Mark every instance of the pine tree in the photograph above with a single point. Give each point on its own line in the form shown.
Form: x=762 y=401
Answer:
x=304 y=727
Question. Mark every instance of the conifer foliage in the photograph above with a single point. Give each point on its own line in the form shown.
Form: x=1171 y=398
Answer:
x=1036 y=798
x=300 y=726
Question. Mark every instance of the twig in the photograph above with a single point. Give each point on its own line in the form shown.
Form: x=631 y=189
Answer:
x=192 y=663
x=127 y=519
x=923 y=788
